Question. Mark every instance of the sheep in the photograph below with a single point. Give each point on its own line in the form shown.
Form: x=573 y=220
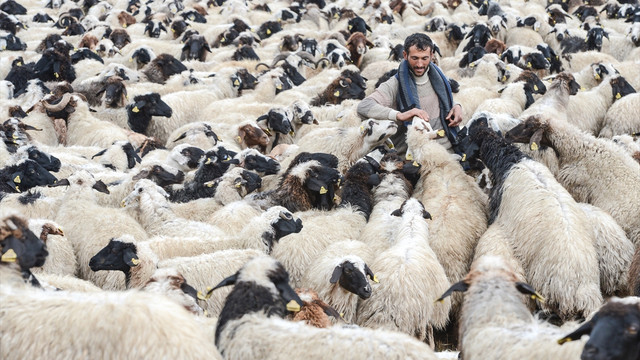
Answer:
x=341 y=276
x=515 y=97
x=348 y=144
x=85 y=129
x=556 y=100
x=171 y=283
x=614 y=188
x=598 y=100
x=154 y=335
x=404 y=281
x=622 y=117
x=508 y=329
x=120 y=156
x=61 y=259
x=66 y=283
x=156 y=217
x=612 y=331
x=261 y=232
x=521 y=185
x=197 y=134
x=23 y=176
x=313 y=311
x=88 y=234
x=21 y=251
x=256 y=306
x=629 y=145
x=440 y=176
x=388 y=195
x=138 y=263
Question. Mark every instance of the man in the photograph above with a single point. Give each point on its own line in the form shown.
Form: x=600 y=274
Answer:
x=418 y=89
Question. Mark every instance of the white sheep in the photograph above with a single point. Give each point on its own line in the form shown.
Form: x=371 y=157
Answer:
x=89 y=227
x=349 y=144
x=623 y=117
x=458 y=206
x=496 y=324
x=411 y=278
x=61 y=259
x=157 y=218
x=340 y=276
x=132 y=323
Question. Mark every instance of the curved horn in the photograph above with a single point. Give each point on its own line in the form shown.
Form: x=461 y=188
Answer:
x=279 y=58
x=59 y=106
x=321 y=60
x=263 y=64
x=306 y=56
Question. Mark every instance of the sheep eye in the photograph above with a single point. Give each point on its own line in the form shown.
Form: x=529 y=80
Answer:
x=632 y=329
x=140 y=190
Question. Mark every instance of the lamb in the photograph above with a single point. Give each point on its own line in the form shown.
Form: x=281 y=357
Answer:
x=171 y=283
x=256 y=306
x=348 y=144
x=441 y=176
x=88 y=234
x=509 y=329
x=410 y=277
x=61 y=259
x=156 y=217
x=612 y=331
x=138 y=263
x=630 y=145
x=614 y=188
x=341 y=276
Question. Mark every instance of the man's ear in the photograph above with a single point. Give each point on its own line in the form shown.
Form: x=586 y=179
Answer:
x=404 y=54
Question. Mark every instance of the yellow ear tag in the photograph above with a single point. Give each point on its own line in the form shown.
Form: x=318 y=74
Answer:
x=535 y=87
x=9 y=256
x=323 y=190
x=563 y=340
x=14 y=136
x=236 y=82
x=464 y=157
x=17 y=179
x=173 y=30
x=390 y=146
x=124 y=25
x=582 y=89
x=618 y=96
x=18 y=189
x=4 y=47
x=472 y=65
x=586 y=39
x=237 y=185
x=504 y=78
x=135 y=261
x=267 y=131
x=209 y=185
x=337 y=93
x=441 y=133
x=415 y=163
x=135 y=109
x=375 y=279
x=19 y=63
x=409 y=157
x=455 y=4
x=293 y=306
x=56 y=75
x=206 y=295
x=130 y=59
x=223 y=40
x=534 y=146
x=238 y=139
x=209 y=160
x=529 y=64
x=279 y=87
x=350 y=27
x=268 y=32
x=596 y=76
x=336 y=198
x=123 y=204
x=292 y=133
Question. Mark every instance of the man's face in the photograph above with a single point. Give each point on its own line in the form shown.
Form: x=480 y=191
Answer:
x=418 y=59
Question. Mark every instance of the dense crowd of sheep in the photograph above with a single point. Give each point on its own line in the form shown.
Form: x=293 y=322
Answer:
x=154 y=153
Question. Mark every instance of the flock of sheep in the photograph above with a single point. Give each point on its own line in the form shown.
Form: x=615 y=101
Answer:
x=156 y=152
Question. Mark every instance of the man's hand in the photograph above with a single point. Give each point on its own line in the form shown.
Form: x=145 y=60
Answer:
x=454 y=116
x=409 y=114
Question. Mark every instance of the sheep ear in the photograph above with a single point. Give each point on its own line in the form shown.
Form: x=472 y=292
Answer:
x=370 y=44
x=138 y=105
x=316 y=185
x=337 y=272
x=184 y=135
x=230 y=280
x=370 y=274
x=426 y=215
x=585 y=329
x=459 y=286
x=373 y=180
x=99 y=153
x=143 y=174
x=411 y=168
x=397 y=212
x=62 y=182
x=527 y=289
x=328 y=309
x=130 y=258
x=100 y=186
x=534 y=142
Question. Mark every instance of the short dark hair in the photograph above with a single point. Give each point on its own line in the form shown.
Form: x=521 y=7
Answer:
x=420 y=41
